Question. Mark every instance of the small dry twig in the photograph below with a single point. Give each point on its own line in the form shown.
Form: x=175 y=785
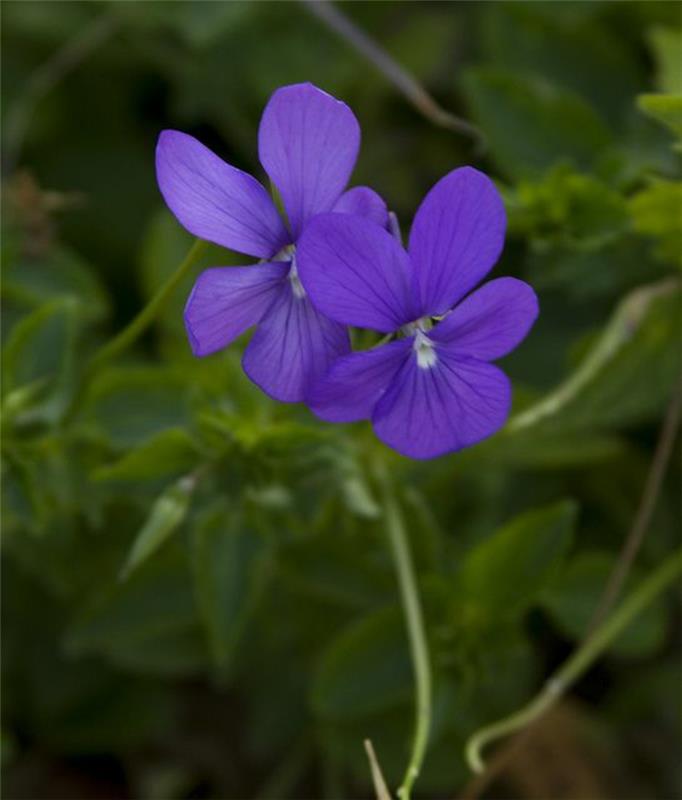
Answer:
x=396 y=74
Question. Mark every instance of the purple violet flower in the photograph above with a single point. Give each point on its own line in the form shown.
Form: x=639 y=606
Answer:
x=432 y=390
x=308 y=143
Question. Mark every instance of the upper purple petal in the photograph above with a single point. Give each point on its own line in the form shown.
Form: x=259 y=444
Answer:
x=491 y=321
x=308 y=144
x=226 y=301
x=456 y=237
x=364 y=202
x=356 y=272
x=354 y=384
x=292 y=347
x=429 y=411
x=215 y=201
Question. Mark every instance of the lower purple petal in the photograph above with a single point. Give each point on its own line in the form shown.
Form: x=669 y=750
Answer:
x=292 y=347
x=355 y=383
x=429 y=411
x=364 y=202
x=226 y=301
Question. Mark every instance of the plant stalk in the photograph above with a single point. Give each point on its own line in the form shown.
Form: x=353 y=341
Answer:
x=579 y=662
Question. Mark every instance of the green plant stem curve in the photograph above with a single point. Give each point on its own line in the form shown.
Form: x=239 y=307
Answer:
x=419 y=651
x=579 y=662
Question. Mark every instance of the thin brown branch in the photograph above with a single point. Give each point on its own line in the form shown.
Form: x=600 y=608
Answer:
x=406 y=83
x=633 y=541
x=48 y=75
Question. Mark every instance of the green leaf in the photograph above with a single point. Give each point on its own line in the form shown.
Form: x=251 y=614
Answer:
x=365 y=670
x=667 y=46
x=169 y=452
x=132 y=404
x=612 y=385
x=664 y=108
x=573 y=598
x=505 y=574
x=39 y=345
x=166 y=515
x=657 y=212
x=229 y=562
x=530 y=124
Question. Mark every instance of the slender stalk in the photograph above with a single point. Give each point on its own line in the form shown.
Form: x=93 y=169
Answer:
x=142 y=321
x=418 y=647
x=136 y=327
x=579 y=662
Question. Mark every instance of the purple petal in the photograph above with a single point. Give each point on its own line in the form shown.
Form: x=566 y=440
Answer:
x=364 y=202
x=492 y=321
x=356 y=273
x=455 y=402
x=308 y=144
x=215 y=201
x=292 y=347
x=354 y=384
x=226 y=301
x=456 y=238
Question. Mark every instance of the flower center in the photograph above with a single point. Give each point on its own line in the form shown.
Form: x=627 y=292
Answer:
x=425 y=350
x=288 y=253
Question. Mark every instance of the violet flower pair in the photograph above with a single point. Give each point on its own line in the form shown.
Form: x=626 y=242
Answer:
x=428 y=391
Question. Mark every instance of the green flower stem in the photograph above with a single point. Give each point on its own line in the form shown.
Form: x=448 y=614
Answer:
x=418 y=647
x=136 y=327
x=579 y=662
x=142 y=321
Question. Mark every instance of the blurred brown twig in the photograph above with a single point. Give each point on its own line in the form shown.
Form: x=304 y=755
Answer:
x=405 y=82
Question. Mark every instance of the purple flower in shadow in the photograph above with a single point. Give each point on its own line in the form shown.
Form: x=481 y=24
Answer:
x=308 y=144
x=433 y=390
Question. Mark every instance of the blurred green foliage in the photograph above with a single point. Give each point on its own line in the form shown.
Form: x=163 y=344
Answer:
x=197 y=595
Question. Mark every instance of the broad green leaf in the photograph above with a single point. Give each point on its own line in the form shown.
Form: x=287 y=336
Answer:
x=229 y=562
x=131 y=404
x=531 y=125
x=573 y=598
x=665 y=108
x=657 y=212
x=166 y=515
x=365 y=669
x=505 y=574
x=169 y=452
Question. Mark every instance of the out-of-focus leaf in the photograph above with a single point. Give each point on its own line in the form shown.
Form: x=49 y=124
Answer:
x=667 y=46
x=504 y=574
x=523 y=36
x=612 y=386
x=169 y=452
x=30 y=282
x=531 y=125
x=568 y=207
x=166 y=515
x=366 y=668
x=229 y=561
x=665 y=108
x=657 y=212
x=131 y=404
x=146 y=623
x=572 y=599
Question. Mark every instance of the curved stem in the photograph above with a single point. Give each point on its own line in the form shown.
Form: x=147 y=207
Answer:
x=138 y=325
x=418 y=647
x=579 y=662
